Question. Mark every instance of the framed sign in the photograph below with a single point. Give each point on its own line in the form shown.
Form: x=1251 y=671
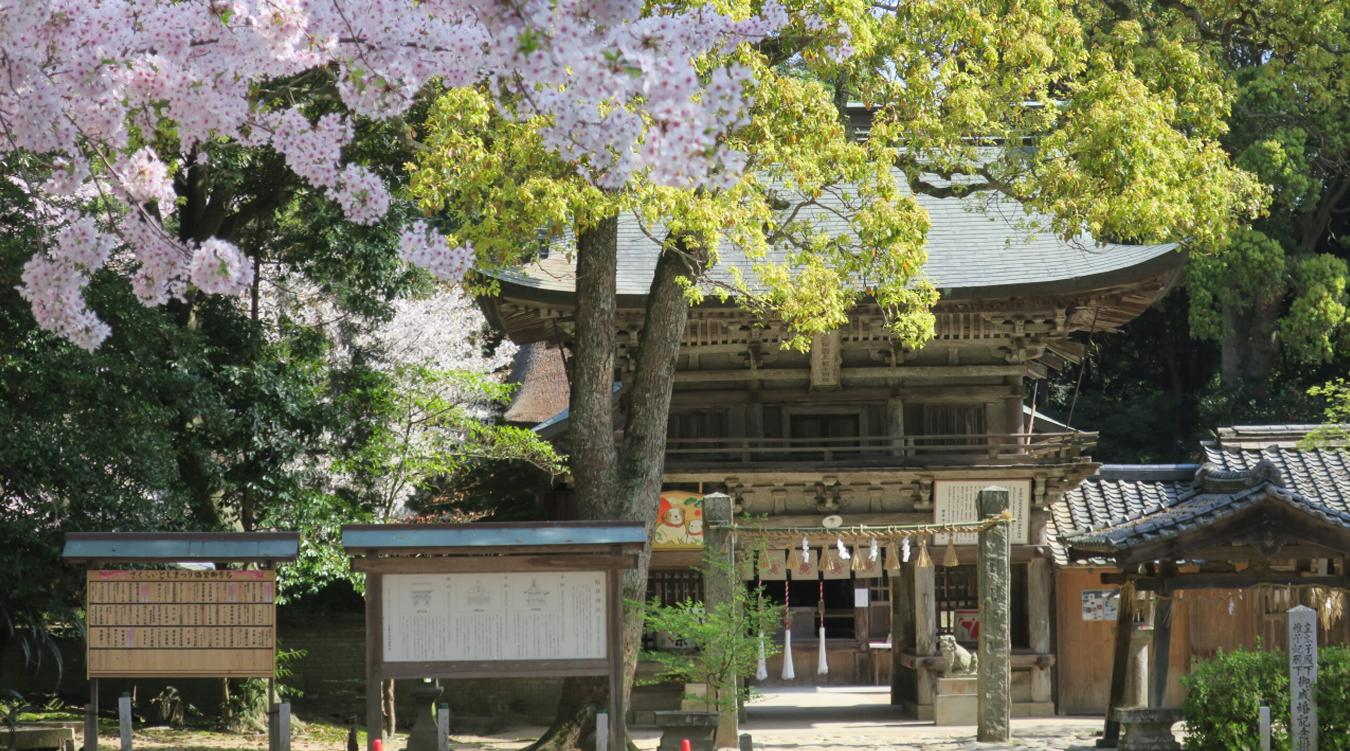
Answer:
x=679 y=522
x=494 y=616
x=509 y=600
x=208 y=624
x=954 y=501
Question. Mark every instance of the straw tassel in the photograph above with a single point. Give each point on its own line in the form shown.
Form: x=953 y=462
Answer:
x=949 y=558
x=762 y=669
x=892 y=557
x=858 y=563
x=924 y=561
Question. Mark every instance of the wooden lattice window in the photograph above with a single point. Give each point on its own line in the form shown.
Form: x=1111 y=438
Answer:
x=675 y=586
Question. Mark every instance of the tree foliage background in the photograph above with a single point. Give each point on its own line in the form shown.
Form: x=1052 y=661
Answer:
x=1264 y=317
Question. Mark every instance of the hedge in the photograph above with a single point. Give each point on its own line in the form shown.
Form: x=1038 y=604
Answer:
x=1225 y=693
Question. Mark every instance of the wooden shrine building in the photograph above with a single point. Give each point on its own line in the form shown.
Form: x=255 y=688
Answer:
x=867 y=430
x=1216 y=552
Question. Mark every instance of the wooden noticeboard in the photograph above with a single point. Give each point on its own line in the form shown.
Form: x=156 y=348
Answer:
x=954 y=502
x=146 y=624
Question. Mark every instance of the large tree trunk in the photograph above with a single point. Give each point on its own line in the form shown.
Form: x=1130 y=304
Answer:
x=1250 y=346
x=620 y=482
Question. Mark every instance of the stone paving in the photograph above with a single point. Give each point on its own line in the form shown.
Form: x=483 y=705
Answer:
x=862 y=718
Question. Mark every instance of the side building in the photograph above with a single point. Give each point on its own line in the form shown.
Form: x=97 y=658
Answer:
x=869 y=431
x=1256 y=489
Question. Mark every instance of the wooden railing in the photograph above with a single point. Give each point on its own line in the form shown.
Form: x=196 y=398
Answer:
x=1003 y=448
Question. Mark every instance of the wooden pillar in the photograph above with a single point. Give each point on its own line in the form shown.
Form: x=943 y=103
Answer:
x=1040 y=605
x=925 y=629
x=902 y=634
x=994 y=574
x=374 y=677
x=91 y=718
x=895 y=424
x=1162 y=637
x=618 y=726
x=719 y=579
x=1119 y=667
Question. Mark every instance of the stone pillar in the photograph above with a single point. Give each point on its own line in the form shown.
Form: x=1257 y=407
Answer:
x=1040 y=606
x=995 y=587
x=1136 y=692
x=925 y=630
x=719 y=578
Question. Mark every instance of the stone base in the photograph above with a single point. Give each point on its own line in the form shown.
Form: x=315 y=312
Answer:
x=1143 y=729
x=957 y=701
x=38 y=738
x=1033 y=709
x=697 y=727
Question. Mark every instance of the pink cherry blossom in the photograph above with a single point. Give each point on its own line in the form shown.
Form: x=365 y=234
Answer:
x=82 y=80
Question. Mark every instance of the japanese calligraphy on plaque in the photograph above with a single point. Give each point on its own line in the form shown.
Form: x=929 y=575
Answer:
x=955 y=501
x=1302 y=678
x=494 y=616
x=181 y=624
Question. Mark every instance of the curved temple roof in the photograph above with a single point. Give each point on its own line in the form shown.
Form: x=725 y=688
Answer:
x=981 y=245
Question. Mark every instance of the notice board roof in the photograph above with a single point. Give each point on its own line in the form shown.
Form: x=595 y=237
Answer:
x=534 y=537
x=171 y=547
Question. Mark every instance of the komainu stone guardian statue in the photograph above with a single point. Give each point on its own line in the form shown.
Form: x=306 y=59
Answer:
x=959 y=659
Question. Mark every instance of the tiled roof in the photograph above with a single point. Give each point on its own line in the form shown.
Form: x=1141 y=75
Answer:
x=1117 y=493
x=1121 y=492
x=982 y=241
x=1321 y=475
x=1216 y=494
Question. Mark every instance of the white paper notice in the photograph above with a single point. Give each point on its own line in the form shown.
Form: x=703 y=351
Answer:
x=954 y=501
x=461 y=617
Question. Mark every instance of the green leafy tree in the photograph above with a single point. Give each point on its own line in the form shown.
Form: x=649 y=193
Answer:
x=1116 y=133
x=1275 y=295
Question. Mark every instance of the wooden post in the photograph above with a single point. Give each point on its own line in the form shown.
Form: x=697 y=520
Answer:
x=1162 y=637
x=618 y=736
x=374 y=679
x=718 y=582
x=902 y=634
x=925 y=630
x=273 y=737
x=995 y=586
x=1119 y=667
x=1040 y=584
x=124 y=720
x=91 y=718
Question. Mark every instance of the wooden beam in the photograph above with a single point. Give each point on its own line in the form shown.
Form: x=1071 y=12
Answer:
x=496 y=668
x=492 y=564
x=1237 y=580
x=915 y=372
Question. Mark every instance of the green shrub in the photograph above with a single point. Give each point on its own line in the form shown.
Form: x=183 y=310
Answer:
x=1224 y=696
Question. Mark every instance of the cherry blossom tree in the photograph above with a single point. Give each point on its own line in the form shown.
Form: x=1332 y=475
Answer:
x=123 y=98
